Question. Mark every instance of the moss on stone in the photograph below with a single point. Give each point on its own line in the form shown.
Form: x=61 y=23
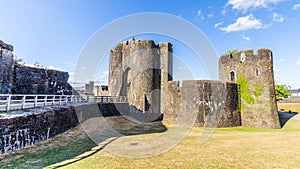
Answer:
x=244 y=94
x=257 y=90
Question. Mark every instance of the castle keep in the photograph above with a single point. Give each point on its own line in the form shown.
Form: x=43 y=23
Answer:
x=137 y=70
x=244 y=94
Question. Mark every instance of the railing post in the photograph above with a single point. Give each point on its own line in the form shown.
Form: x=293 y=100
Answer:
x=53 y=100
x=35 y=100
x=8 y=102
x=79 y=99
x=23 y=101
x=66 y=99
x=101 y=99
x=72 y=97
x=60 y=100
x=45 y=100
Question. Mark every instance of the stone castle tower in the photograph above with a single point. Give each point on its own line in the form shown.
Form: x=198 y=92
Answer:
x=255 y=78
x=245 y=95
x=6 y=67
x=139 y=69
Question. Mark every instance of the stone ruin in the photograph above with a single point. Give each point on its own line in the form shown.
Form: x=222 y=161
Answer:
x=243 y=96
x=16 y=78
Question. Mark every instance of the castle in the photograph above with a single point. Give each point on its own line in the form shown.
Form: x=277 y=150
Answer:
x=243 y=96
x=142 y=71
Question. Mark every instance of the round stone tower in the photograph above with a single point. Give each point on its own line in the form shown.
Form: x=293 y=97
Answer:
x=136 y=72
x=255 y=78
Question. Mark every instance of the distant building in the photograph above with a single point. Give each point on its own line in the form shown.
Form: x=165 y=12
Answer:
x=89 y=88
x=101 y=90
x=294 y=92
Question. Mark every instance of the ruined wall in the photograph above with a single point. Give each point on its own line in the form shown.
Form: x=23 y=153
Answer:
x=254 y=75
x=35 y=126
x=31 y=80
x=136 y=72
x=20 y=79
x=6 y=68
x=203 y=103
x=27 y=127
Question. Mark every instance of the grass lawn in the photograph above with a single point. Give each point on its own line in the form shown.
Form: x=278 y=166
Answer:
x=238 y=147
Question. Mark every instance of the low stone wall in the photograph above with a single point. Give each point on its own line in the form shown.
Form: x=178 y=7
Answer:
x=203 y=103
x=26 y=128
x=293 y=99
x=23 y=128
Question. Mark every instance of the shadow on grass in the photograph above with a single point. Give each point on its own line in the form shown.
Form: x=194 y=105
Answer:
x=74 y=145
x=124 y=127
x=285 y=116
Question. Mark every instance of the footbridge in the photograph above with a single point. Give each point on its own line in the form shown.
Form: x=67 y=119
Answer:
x=10 y=102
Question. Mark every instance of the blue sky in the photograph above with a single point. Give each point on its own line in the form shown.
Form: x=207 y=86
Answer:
x=54 y=32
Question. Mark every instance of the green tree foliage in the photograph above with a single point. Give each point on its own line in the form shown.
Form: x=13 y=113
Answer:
x=18 y=60
x=231 y=52
x=281 y=90
x=244 y=90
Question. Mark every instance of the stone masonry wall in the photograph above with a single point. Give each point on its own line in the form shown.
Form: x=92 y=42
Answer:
x=27 y=127
x=255 y=77
x=31 y=80
x=203 y=103
x=136 y=72
x=6 y=67
x=35 y=126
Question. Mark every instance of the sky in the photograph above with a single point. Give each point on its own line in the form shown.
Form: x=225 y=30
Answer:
x=53 y=33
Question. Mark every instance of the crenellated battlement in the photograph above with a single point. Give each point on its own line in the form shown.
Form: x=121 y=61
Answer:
x=247 y=56
x=6 y=46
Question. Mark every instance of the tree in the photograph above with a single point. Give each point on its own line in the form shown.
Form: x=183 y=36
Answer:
x=231 y=52
x=18 y=60
x=37 y=64
x=281 y=90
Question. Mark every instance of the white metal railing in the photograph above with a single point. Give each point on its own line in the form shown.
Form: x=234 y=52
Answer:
x=18 y=102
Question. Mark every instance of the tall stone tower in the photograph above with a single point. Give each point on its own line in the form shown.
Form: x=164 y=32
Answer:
x=6 y=68
x=138 y=70
x=255 y=77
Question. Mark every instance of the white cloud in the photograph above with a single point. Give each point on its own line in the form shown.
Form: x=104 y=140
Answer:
x=276 y=70
x=296 y=7
x=52 y=67
x=281 y=60
x=277 y=17
x=71 y=64
x=218 y=24
x=298 y=62
x=245 y=5
x=102 y=78
x=181 y=68
x=245 y=23
x=246 y=38
x=105 y=73
x=199 y=14
x=210 y=16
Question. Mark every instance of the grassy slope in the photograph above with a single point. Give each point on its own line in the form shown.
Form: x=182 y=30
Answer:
x=238 y=147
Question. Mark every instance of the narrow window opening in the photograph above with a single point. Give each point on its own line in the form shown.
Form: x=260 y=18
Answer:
x=256 y=72
x=232 y=76
x=243 y=57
